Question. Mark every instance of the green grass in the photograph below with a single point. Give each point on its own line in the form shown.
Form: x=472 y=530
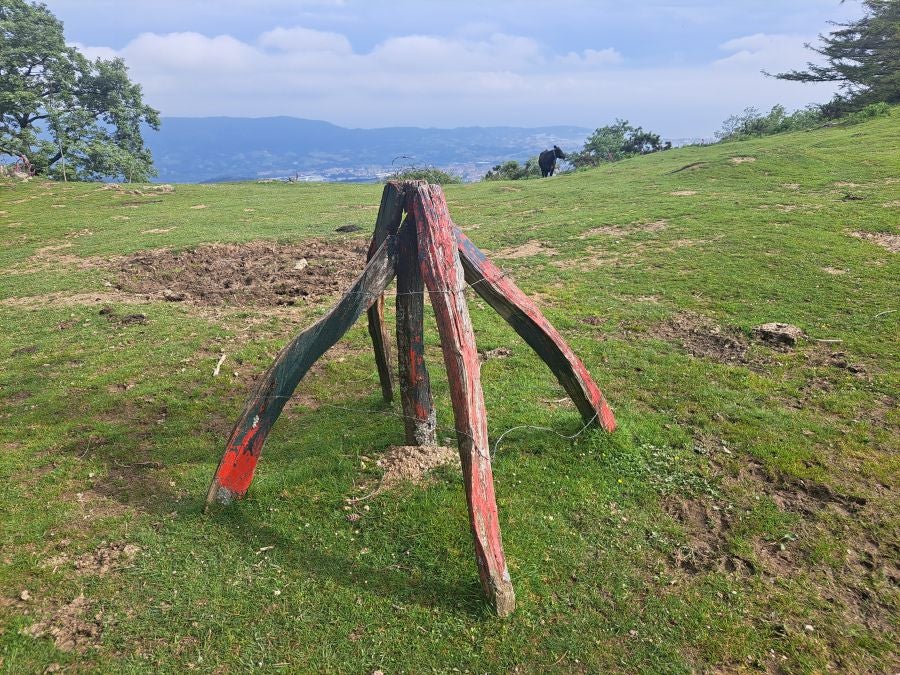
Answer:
x=737 y=505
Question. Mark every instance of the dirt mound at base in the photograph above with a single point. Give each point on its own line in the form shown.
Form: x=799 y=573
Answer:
x=412 y=462
x=257 y=273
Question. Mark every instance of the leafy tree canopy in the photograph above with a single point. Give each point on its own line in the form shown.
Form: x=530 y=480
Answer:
x=863 y=55
x=70 y=117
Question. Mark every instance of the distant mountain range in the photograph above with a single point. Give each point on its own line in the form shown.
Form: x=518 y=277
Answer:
x=208 y=149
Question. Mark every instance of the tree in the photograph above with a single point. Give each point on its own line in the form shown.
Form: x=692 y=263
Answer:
x=70 y=117
x=863 y=55
x=614 y=142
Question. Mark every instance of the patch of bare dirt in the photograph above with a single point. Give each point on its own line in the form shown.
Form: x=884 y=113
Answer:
x=409 y=463
x=257 y=273
x=833 y=271
x=497 y=353
x=70 y=626
x=701 y=336
x=706 y=525
x=622 y=230
x=683 y=193
x=526 y=250
x=892 y=205
x=106 y=558
x=884 y=239
x=742 y=160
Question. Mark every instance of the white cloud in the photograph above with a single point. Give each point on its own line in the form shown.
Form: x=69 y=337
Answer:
x=473 y=79
x=592 y=58
x=766 y=51
x=301 y=39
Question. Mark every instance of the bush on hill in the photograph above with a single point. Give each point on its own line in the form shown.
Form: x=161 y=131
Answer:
x=429 y=174
x=512 y=170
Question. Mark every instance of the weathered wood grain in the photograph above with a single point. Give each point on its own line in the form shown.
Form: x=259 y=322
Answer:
x=419 y=419
x=390 y=212
x=527 y=320
x=443 y=276
x=235 y=471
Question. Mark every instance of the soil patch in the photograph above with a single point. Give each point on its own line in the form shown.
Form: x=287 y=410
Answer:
x=107 y=557
x=258 y=273
x=68 y=627
x=526 y=250
x=409 y=463
x=683 y=193
x=623 y=230
x=706 y=525
x=742 y=160
x=497 y=353
x=700 y=336
x=884 y=239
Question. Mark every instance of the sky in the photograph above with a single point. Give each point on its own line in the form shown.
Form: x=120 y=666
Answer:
x=678 y=67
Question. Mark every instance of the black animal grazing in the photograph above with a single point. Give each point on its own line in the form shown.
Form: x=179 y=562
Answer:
x=547 y=160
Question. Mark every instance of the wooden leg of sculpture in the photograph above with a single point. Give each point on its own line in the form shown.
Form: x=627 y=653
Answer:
x=443 y=275
x=419 y=419
x=389 y=214
x=235 y=471
x=527 y=320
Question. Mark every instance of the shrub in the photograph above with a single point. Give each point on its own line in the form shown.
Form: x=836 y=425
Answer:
x=429 y=174
x=752 y=123
x=512 y=170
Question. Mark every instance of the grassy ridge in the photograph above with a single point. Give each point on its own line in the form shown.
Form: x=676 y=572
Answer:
x=742 y=517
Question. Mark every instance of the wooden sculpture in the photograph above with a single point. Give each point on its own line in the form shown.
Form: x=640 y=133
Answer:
x=425 y=251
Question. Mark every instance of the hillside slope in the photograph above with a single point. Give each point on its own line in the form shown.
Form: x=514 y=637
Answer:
x=743 y=518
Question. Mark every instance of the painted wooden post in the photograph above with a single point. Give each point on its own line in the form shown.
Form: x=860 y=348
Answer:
x=443 y=275
x=522 y=314
x=419 y=419
x=235 y=472
x=390 y=213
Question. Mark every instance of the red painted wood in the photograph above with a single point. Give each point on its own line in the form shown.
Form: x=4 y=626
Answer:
x=419 y=421
x=235 y=471
x=443 y=275
x=522 y=314
x=390 y=212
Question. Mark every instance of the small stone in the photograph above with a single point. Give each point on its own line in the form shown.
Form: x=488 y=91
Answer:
x=301 y=264
x=809 y=628
x=25 y=596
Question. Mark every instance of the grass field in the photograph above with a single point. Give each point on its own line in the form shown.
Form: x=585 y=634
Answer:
x=744 y=516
